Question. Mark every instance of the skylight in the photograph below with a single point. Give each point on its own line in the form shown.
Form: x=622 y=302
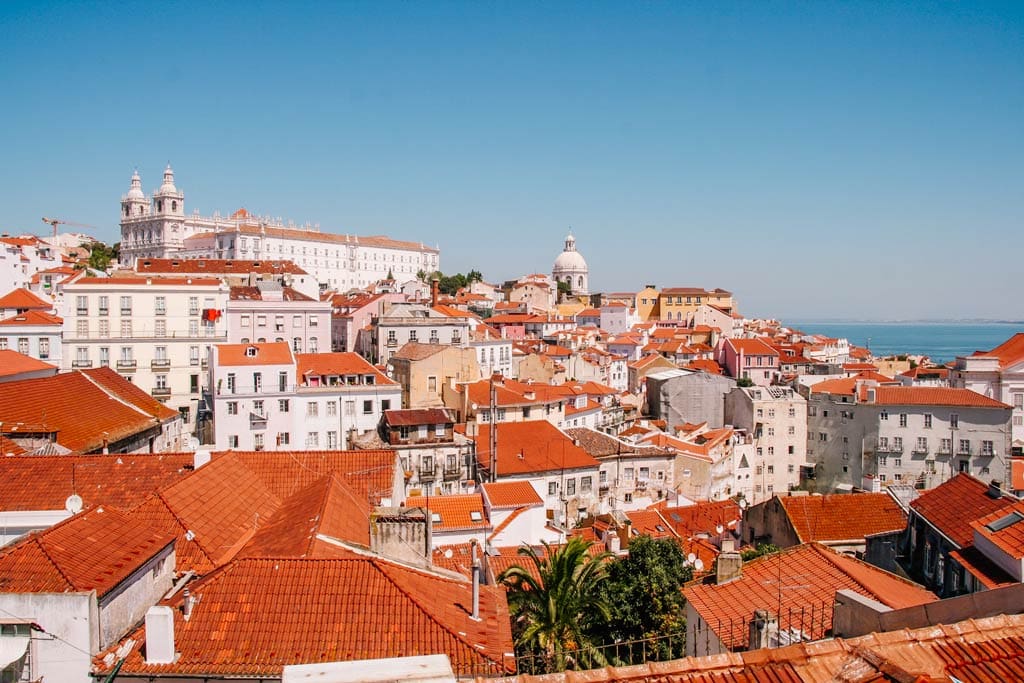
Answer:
x=1005 y=521
x=435 y=518
x=476 y=516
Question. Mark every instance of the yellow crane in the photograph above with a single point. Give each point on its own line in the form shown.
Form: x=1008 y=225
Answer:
x=56 y=221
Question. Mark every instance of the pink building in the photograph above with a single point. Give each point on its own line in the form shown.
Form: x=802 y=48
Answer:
x=750 y=358
x=352 y=312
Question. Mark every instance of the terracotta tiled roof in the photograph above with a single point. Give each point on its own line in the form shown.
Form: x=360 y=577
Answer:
x=417 y=351
x=14 y=363
x=215 y=266
x=933 y=396
x=649 y=523
x=339 y=364
x=1009 y=353
x=370 y=474
x=263 y=614
x=704 y=365
x=94 y=550
x=599 y=444
x=379 y=241
x=266 y=353
x=1004 y=530
x=510 y=494
x=951 y=507
x=842 y=517
x=254 y=294
x=43 y=482
x=982 y=568
x=327 y=507
x=701 y=518
x=22 y=298
x=531 y=447
x=117 y=408
x=810 y=576
x=986 y=650
x=131 y=279
x=213 y=512
x=751 y=347
x=1017 y=474
x=455 y=557
x=459 y=511
x=8 y=448
x=33 y=317
x=412 y=417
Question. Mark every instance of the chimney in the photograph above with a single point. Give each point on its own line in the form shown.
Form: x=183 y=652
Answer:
x=187 y=603
x=730 y=564
x=764 y=630
x=159 y=635
x=200 y=458
x=476 y=581
x=995 y=489
x=435 y=290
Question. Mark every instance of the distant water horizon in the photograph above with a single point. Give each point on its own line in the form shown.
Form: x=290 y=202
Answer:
x=941 y=341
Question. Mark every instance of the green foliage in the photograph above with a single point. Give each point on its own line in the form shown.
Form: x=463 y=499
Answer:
x=560 y=616
x=391 y=276
x=100 y=255
x=450 y=284
x=644 y=591
x=564 y=288
x=474 y=276
x=757 y=551
x=744 y=382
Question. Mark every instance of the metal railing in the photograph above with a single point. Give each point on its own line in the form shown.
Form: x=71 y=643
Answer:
x=623 y=653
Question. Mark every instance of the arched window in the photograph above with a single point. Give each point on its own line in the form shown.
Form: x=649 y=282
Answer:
x=174 y=206
x=125 y=209
x=581 y=282
x=159 y=205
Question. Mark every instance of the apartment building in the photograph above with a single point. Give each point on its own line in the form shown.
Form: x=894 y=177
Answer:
x=751 y=359
x=155 y=332
x=266 y=397
x=403 y=323
x=269 y=311
x=33 y=333
x=864 y=435
x=681 y=303
x=775 y=419
x=999 y=374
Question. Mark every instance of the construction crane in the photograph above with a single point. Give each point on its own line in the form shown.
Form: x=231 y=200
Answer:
x=55 y=222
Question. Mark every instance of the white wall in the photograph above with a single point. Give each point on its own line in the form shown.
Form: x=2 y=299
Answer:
x=73 y=621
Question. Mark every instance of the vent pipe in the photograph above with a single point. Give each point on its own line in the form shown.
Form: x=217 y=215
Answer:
x=476 y=581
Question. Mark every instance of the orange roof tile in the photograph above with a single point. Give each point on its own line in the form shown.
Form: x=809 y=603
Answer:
x=531 y=447
x=23 y=299
x=649 y=523
x=952 y=505
x=370 y=473
x=751 y=347
x=217 y=266
x=934 y=396
x=93 y=550
x=703 y=517
x=33 y=317
x=264 y=614
x=842 y=517
x=14 y=363
x=510 y=494
x=267 y=353
x=458 y=511
x=122 y=279
x=1009 y=353
x=1003 y=529
x=117 y=408
x=709 y=366
x=810 y=574
x=338 y=364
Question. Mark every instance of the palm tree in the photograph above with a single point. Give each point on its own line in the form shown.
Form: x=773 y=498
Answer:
x=558 y=608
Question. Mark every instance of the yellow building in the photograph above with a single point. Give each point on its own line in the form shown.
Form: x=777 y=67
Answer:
x=647 y=304
x=678 y=303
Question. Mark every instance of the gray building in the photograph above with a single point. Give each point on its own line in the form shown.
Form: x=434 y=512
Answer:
x=679 y=396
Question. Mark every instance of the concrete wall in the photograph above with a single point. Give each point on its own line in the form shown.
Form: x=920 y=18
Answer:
x=693 y=397
x=126 y=605
x=73 y=618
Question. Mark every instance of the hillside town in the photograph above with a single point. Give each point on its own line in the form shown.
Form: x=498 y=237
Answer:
x=243 y=448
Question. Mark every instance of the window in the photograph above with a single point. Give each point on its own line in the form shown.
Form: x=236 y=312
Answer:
x=332 y=440
x=82 y=305
x=570 y=486
x=104 y=304
x=160 y=305
x=791 y=430
x=367 y=407
x=232 y=407
x=965 y=446
x=586 y=484
x=312 y=409
x=922 y=444
x=312 y=439
x=297 y=344
x=279 y=323
x=332 y=408
x=126 y=329
x=126 y=305
x=884 y=415
x=257 y=441
x=193 y=328
x=193 y=384
x=903 y=419
x=432 y=384
x=627 y=498
x=350 y=408
x=193 y=305
x=44 y=347
x=313 y=321
x=792 y=412
x=812 y=411
x=552 y=488
x=954 y=421
x=193 y=355
x=927 y=420
x=759 y=470
x=385 y=404
x=258 y=408
x=946 y=446
x=257 y=382
x=233 y=441
x=104 y=356
x=283 y=438
x=231 y=382
x=314 y=346
x=987 y=448
x=283 y=405
x=160 y=328
x=822 y=436
x=261 y=321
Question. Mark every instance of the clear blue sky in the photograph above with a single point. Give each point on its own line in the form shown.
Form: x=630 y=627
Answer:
x=816 y=158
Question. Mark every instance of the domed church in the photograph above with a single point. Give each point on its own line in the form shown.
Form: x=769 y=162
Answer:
x=571 y=267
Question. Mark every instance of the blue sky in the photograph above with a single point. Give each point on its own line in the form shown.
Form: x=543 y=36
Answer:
x=818 y=159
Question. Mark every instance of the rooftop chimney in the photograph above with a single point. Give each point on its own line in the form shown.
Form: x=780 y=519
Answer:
x=730 y=564
x=995 y=489
x=159 y=635
x=435 y=290
x=187 y=603
x=476 y=581
x=764 y=629
x=200 y=458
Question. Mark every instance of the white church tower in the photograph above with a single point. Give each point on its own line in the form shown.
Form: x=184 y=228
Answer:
x=571 y=267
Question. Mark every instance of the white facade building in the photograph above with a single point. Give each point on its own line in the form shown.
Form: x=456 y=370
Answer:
x=23 y=257
x=155 y=332
x=570 y=267
x=997 y=374
x=403 y=323
x=266 y=397
x=158 y=227
x=33 y=333
x=269 y=312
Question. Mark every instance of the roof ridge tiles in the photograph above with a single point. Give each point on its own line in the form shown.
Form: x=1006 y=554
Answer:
x=37 y=539
x=112 y=395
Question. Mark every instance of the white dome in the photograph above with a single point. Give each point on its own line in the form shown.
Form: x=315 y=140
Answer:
x=168 y=186
x=136 y=190
x=570 y=261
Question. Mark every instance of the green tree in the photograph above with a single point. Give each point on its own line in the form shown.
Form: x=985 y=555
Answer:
x=474 y=276
x=564 y=288
x=100 y=255
x=744 y=382
x=645 y=593
x=748 y=554
x=559 y=611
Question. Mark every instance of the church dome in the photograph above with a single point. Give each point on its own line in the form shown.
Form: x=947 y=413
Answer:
x=168 y=185
x=136 y=190
x=570 y=260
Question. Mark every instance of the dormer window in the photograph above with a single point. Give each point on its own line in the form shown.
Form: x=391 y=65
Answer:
x=250 y=352
x=476 y=516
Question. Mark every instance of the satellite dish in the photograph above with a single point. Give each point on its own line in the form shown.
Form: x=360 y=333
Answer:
x=448 y=553
x=719 y=529
x=743 y=503
x=691 y=557
x=73 y=504
x=699 y=565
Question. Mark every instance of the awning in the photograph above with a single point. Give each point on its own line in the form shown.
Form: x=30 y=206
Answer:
x=12 y=648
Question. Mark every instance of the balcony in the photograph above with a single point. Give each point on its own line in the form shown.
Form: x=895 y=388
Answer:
x=257 y=421
x=964 y=450
x=428 y=474
x=204 y=362
x=81 y=364
x=392 y=342
x=127 y=365
x=452 y=472
x=126 y=312
x=160 y=363
x=920 y=450
x=161 y=392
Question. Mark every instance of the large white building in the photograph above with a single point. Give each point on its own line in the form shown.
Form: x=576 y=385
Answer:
x=158 y=227
x=997 y=374
x=155 y=332
x=265 y=397
x=570 y=267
